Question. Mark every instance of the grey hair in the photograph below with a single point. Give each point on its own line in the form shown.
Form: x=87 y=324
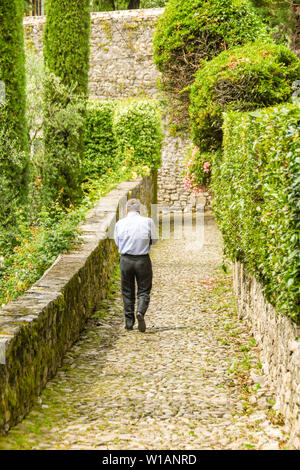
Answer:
x=133 y=205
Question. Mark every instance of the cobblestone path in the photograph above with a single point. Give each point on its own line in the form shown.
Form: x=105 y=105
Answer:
x=187 y=383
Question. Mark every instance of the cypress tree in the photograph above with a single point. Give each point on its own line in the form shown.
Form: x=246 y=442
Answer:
x=12 y=71
x=66 y=54
x=14 y=155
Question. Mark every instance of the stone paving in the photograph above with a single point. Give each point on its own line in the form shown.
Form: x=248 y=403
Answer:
x=192 y=381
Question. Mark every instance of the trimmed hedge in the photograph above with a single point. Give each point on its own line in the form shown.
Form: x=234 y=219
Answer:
x=100 y=141
x=191 y=31
x=121 y=134
x=137 y=128
x=243 y=79
x=66 y=53
x=256 y=187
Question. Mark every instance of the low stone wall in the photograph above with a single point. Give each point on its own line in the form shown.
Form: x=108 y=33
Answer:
x=279 y=341
x=37 y=329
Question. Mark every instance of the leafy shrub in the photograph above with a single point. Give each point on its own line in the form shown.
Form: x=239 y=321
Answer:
x=244 y=78
x=198 y=171
x=63 y=124
x=100 y=141
x=137 y=128
x=13 y=161
x=191 y=31
x=256 y=187
x=35 y=77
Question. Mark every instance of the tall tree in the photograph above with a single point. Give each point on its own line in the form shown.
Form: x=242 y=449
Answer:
x=66 y=53
x=12 y=67
x=14 y=158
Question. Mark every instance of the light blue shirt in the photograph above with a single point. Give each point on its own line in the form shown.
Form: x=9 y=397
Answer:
x=134 y=233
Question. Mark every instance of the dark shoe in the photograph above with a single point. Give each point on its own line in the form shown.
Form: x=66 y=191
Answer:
x=141 y=322
x=129 y=323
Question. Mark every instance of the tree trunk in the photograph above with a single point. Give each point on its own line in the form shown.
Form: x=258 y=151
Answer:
x=134 y=4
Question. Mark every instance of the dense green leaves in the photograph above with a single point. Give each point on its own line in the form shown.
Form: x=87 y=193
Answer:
x=66 y=52
x=244 y=78
x=12 y=69
x=100 y=141
x=256 y=187
x=137 y=127
x=121 y=133
x=14 y=158
x=191 y=31
x=66 y=41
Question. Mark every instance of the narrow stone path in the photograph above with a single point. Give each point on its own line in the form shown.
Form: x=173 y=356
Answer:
x=184 y=384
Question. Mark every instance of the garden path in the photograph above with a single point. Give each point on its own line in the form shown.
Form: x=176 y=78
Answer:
x=184 y=384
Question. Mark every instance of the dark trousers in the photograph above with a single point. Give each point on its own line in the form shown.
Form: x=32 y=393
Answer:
x=139 y=268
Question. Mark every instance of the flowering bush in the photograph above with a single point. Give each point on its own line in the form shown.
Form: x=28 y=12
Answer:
x=198 y=171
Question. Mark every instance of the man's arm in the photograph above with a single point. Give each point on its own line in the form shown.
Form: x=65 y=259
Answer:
x=153 y=234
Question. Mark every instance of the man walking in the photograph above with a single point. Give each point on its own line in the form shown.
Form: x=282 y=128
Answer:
x=133 y=235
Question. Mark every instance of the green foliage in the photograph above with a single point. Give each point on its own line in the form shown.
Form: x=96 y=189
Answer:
x=52 y=229
x=106 y=5
x=12 y=70
x=66 y=41
x=256 y=186
x=279 y=14
x=197 y=173
x=55 y=231
x=13 y=161
x=63 y=128
x=137 y=128
x=191 y=31
x=100 y=141
x=35 y=76
x=245 y=78
x=14 y=157
x=66 y=53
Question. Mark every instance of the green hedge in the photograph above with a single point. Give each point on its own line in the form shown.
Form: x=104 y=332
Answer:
x=100 y=141
x=137 y=128
x=256 y=187
x=191 y=31
x=245 y=78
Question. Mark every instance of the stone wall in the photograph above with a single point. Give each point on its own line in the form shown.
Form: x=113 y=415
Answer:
x=37 y=328
x=121 y=66
x=279 y=341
